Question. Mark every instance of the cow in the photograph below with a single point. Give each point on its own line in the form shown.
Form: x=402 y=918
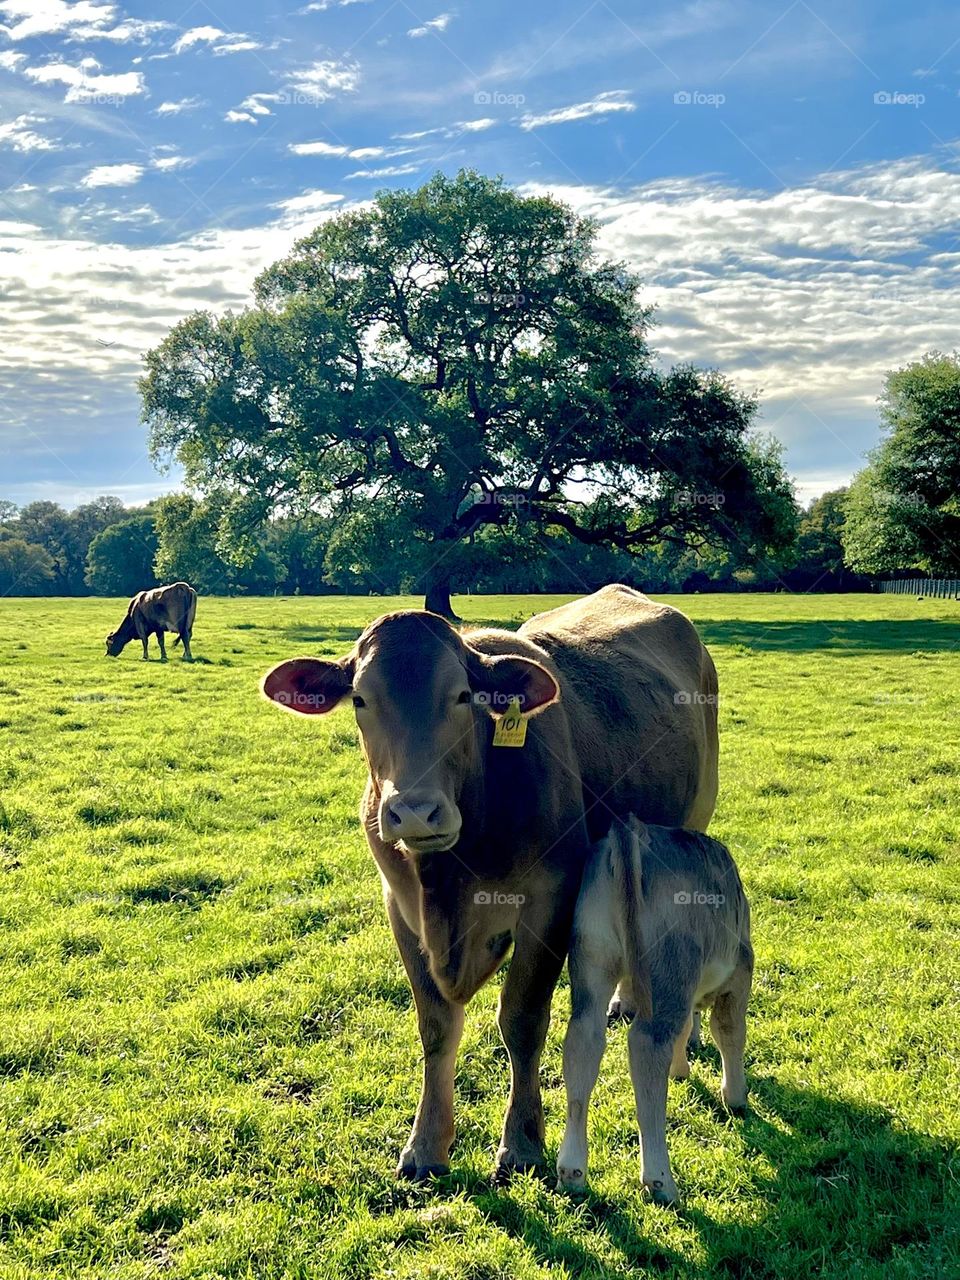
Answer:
x=171 y=608
x=665 y=910
x=480 y=835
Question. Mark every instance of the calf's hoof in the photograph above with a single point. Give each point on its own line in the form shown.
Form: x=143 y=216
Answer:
x=410 y=1171
x=662 y=1191
x=737 y=1109
x=571 y=1178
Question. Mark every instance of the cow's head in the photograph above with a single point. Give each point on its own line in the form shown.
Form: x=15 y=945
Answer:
x=115 y=645
x=422 y=696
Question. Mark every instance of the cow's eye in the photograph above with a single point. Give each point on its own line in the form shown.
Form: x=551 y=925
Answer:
x=358 y=701
x=465 y=697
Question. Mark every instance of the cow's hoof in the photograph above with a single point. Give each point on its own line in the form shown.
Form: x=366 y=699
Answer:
x=664 y=1193
x=508 y=1165
x=736 y=1109
x=410 y=1171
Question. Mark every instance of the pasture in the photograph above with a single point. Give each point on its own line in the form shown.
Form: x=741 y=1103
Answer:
x=208 y=1052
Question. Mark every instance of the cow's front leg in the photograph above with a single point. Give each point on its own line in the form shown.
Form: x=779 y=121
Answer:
x=523 y=1017
x=163 y=647
x=441 y=1025
x=145 y=640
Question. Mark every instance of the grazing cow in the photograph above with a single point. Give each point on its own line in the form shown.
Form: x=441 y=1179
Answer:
x=153 y=612
x=480 y=819
x=664 y=909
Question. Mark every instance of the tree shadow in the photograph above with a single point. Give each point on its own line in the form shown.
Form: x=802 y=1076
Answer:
x=852 y=637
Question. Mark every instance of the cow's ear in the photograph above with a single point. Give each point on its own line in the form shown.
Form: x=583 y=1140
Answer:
x=498 y=681
x=310 y=686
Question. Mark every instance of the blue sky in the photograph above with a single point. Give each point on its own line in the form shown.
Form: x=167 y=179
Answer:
x=784 y=179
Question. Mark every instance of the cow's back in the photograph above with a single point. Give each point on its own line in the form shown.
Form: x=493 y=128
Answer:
x=169 y=607
x=639 y=693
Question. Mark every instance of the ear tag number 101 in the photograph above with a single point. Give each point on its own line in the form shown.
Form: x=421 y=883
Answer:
x=511 y=728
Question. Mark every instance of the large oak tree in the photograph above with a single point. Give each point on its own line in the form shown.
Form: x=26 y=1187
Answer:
x=451 y=358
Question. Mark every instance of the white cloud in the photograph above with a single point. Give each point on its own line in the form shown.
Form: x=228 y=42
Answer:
x=21 y=137
x=240 y=117
x=50 y=17
x=10 y=59
x=197 y=35
x=176 y=107
x=602 y=104
x=113 y=175
x=322 y=80
x=433 y=26
x=167 y=163
x=83 y=82
x=334 y=149
x=391 y=171
x=129 y=30
x=475 y=126
x=237 y=46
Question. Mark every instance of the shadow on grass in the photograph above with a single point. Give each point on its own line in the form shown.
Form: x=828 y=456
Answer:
x=853 y=637
x=850 y=1194
x=319 y=636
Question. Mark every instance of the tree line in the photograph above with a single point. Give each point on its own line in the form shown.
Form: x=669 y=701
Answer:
x=104 y=548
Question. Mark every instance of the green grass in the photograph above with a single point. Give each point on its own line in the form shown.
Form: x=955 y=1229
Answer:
x=208 y=1054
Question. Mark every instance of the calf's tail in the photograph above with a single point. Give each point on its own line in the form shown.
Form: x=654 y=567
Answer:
x=631 y=843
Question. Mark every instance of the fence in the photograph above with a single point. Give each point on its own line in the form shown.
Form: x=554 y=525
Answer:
x=936 y=588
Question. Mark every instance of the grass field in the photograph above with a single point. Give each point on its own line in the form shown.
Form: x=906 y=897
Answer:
x=208 y=1053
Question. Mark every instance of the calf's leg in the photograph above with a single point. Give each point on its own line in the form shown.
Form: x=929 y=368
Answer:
x=728 y=1022
x=679 y=1065
x=427 y=1151
x=651 y=1044
x=590 y=984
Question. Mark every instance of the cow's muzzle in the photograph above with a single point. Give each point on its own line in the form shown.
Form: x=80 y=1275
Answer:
x=422 y=823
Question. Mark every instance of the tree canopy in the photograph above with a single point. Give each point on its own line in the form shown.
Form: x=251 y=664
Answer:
x=451 y=359
x=903 y=509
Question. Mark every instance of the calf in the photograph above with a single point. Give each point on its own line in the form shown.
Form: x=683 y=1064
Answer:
x=661 y=910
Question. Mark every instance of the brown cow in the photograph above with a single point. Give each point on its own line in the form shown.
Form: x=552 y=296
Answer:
x=153 y=612
x=481 y=846
x=665 y=910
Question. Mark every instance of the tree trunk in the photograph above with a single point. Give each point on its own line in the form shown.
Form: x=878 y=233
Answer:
x=438 y=599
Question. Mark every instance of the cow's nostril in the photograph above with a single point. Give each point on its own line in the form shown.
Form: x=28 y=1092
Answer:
x=433 y=817
x=393 y=817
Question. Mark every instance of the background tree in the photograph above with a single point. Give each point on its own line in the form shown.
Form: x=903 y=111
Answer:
x=187 y=536
x=26 y=569
x=903 y=509
x=460 y=355
x=120 y=557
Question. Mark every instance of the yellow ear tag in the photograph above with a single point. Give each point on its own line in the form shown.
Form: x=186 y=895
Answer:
x=511 y=728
